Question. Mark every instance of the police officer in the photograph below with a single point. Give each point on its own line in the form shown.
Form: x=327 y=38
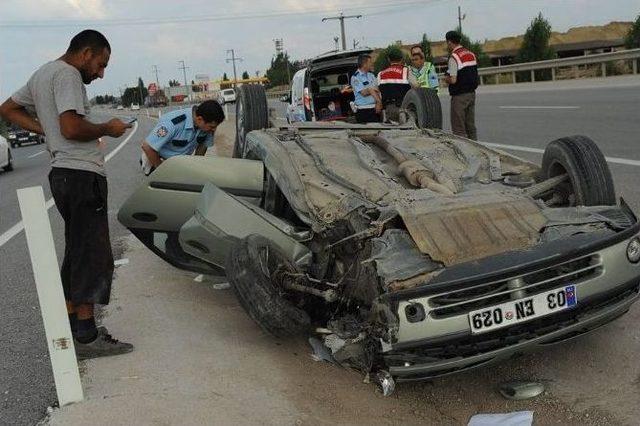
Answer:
x=368 y=101
x=462 y=77
x=423 y=70
x=181 y=132
x=397 y=72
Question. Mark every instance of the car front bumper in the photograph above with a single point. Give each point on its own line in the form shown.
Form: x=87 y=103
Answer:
x=572 y=326
x=441 y=343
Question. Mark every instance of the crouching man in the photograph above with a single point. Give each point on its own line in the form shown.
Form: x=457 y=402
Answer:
x=182 y=132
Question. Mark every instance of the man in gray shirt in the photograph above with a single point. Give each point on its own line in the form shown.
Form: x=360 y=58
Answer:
x=56 y=95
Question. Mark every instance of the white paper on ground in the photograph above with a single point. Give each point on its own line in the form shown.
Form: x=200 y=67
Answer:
x=517 y=418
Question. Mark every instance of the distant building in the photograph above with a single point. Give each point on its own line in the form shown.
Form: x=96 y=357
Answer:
x=577 y=41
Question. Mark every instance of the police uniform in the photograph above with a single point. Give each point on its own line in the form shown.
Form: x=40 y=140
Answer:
x=175 y=134
x=463 y=65
x=366 y=105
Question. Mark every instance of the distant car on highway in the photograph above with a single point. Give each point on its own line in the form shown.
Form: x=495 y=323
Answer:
x=227 y=96
x=135 y=107
x=5 y=155
x=19 y=137
x=120 y=108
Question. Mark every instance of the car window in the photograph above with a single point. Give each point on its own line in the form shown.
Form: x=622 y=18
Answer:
x=228 y=92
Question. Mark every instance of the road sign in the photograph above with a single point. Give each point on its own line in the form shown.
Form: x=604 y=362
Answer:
x=153 y=88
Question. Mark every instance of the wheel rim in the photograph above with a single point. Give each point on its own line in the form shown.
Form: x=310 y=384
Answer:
x=564 y=194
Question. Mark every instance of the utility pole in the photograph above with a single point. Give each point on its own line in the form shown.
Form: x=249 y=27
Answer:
x=460 y=19
x=336 y=39
x=184 y=73
x=155 y=69
x=341 y=18
x=355 y=44
x=234 y=60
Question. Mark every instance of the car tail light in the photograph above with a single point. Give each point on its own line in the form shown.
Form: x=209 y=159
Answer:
x=307 y=99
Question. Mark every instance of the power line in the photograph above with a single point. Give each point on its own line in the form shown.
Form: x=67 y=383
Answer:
x=201 y=18
x=341 y=18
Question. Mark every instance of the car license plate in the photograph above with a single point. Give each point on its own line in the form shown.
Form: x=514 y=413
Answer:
x=521 y=310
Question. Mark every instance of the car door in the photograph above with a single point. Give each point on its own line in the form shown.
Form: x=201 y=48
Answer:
x=167 y=199
x=295 y=109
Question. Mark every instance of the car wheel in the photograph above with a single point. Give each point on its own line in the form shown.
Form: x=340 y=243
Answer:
x=9 y=166
x=255 y=270
x=251 y=114
x=590 y=182
x=424 y=105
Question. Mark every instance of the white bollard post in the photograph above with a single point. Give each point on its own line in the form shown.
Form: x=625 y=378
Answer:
x=50 y=295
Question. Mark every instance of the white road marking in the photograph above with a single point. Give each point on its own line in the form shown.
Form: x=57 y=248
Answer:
x=613 y=160
x=539 y=107
x=37 y=153
x=18 y=227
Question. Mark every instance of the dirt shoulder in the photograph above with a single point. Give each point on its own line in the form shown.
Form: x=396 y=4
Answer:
x=199 y=359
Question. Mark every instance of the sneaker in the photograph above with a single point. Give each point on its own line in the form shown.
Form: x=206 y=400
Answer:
x=104 y=345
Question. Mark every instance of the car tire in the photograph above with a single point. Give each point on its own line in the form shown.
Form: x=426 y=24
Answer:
x=252 y=113
x=425 y=105
x=578 y=156
x=259 y=296
x=9 y=166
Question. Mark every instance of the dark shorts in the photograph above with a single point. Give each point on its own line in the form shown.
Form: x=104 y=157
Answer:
x=87 y=268
x=368 y=115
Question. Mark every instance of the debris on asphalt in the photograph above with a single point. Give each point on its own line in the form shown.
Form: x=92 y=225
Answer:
x=221 y=286
x=518 y=390
x=320 y=351
x=199 y=278
x=121 y=262
x=517 y=418
x=384 y=379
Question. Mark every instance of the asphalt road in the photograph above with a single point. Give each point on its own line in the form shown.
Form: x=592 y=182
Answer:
x=608 y=114
x=26 y=382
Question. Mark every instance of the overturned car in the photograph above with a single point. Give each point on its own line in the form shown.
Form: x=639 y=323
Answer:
x=406 y=250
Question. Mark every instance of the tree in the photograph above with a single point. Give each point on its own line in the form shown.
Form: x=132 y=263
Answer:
x=224 y=77
x=382 y=60
x=142 y=91
x=535 y=44
x=3 y=128
x=281 y=70
x=245 y=76
x=426 y=48
x=174 y=83
x=632 y=40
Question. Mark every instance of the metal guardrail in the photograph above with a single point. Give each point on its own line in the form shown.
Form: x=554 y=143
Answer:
x=552 y=64
x=277 y=94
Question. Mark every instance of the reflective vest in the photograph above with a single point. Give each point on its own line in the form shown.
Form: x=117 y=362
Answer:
x=467 y=79
x=394 y=74
x=422 y=75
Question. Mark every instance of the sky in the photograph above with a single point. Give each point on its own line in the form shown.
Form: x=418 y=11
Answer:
x=143 y=33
